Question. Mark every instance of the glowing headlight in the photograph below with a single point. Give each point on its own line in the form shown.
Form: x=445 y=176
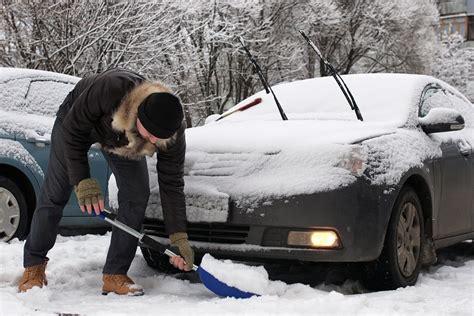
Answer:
x=316 y=239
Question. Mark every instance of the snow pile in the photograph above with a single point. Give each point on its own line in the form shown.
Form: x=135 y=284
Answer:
x=245 y=278
x=15 y=151
x=75 y=271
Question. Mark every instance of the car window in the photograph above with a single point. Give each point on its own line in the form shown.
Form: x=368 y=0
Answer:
x=12 y=94
x=437 y=97
x=45 y=96
x=434 y=98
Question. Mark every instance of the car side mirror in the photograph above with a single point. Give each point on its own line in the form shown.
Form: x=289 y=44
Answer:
x=440 y=120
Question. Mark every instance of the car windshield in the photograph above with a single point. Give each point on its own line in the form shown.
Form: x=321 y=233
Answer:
x=380 y=97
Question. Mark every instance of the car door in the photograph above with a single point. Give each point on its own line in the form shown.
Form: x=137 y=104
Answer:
x=454 y=180
x=40 y=99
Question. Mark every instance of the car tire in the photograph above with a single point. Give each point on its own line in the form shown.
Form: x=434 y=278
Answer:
x=401 y=258
x=13 y=211
x=158 y=261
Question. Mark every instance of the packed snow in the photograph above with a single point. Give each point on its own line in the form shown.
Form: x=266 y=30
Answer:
x=245 y=278
x=74 y=276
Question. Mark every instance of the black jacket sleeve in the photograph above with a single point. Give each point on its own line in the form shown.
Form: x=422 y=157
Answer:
x=170 y=169
x=87 y=109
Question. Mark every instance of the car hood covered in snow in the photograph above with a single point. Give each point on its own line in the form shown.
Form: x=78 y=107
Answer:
x=269 y=136
x=255 y=162
x=253 y=157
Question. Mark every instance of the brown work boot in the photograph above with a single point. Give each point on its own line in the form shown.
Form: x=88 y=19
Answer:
x=120 y=284
x=33 y=276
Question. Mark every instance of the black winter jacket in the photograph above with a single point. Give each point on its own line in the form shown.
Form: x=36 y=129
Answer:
x=103 y=109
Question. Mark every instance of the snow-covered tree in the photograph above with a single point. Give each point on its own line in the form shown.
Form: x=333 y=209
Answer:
x=377 y=35
x=454 y=62
x=81 y=37
x=194 y=47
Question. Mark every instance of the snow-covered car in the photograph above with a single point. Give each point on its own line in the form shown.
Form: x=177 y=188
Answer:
x=322 y=186
x=29 y=100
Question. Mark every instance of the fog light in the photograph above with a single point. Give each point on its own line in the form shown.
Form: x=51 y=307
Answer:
x=317 y=239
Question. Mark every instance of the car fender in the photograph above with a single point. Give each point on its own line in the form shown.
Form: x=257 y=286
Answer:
x=415 y=177
x=32 y=176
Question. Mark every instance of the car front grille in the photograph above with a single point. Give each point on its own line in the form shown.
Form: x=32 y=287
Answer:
x=204 y=232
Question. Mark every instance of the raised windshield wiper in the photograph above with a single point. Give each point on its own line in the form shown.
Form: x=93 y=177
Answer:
x=333 y=72
x=264 y=81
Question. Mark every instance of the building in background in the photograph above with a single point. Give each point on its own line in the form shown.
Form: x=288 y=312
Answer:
x=458 y=16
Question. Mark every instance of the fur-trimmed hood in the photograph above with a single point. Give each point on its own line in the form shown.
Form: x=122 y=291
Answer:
x=124 y=121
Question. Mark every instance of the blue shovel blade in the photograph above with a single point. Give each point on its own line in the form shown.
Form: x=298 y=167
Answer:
x=220 y=288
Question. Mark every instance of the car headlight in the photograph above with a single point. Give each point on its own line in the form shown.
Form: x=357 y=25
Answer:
x=355 y=160
x=321 y=238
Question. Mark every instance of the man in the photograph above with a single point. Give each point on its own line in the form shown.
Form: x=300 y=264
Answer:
x=130 y=118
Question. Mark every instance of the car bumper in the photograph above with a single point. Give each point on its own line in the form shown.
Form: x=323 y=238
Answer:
x=359 y=213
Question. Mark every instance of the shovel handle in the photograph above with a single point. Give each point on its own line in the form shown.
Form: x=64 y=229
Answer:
x=147 y=240
x=171 y=254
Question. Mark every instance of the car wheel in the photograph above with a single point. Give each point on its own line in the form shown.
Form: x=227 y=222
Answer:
x=158 y=261
x=13 y=211
x=400 y=261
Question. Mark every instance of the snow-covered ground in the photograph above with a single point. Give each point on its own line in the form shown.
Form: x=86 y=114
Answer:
x=74 y=274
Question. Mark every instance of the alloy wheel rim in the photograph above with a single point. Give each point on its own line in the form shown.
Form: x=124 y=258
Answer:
x=9 y=214
x=408 y=239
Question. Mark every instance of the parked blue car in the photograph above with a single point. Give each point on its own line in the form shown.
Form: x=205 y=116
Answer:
x=29 y=100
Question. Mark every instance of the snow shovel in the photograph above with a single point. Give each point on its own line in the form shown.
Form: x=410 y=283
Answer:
x=209 y=281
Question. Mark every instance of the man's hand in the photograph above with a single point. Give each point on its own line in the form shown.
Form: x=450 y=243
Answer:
x=89 y=195
x=180 y=240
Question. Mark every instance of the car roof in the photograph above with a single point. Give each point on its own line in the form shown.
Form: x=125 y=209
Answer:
x=9 y=73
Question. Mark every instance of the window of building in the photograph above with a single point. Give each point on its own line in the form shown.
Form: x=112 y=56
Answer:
x=470 y=28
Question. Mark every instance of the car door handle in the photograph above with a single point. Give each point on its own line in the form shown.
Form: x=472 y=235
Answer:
x=464 y=148
x=38 y=140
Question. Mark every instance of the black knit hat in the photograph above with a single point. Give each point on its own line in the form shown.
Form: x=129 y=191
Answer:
x=161 y=114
